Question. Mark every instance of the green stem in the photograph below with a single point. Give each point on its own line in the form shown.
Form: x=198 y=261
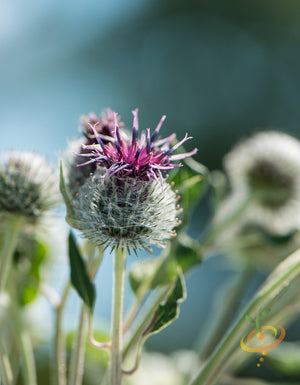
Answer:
x=218 y=227
x=144 y=289
x=231 y=305
x=146 y=320
x=278 y=281
x=24 y=345
x=6 y=374
x=117 y=321
x=77 y=359
x=12 y=230
x=60 y=364
x=29 y=371
x=258 y=329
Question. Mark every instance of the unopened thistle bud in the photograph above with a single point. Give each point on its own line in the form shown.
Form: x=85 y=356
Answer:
x=266 y=168
x=126 y=202
x=28 y=185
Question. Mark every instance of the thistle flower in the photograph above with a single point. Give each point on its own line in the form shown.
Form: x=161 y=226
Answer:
x=126 y=202
x=266 y=168
x=144 y=159
x=28 y=185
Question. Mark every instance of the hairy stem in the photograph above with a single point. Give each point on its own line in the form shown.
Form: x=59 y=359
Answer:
x=231 y=305
x=24 y=345
x=77 y=359
x=146 y=319
x=6 y=374
x=60 y=364
x=144 y=290
x=117 y=320
x=26 y=349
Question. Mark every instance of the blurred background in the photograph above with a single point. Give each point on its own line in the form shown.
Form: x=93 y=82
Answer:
x=218 y=69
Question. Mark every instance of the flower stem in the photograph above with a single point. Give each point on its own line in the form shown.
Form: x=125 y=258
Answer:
x=77 y=359
x=12 y=230
x=146 y=319
x=23 y=341
x=117 y=321
x=6 y=374
x=223 y=224
x=144 y=290
x=279 y=280
x=59 y=342
x=28 y=359
x=231 y=305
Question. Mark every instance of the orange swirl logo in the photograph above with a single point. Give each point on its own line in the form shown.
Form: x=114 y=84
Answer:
x=262 y=338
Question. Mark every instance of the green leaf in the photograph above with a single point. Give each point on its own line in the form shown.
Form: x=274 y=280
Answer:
x=151 y=274
x=64 y=192
x=186 y=251
x=286 y=359
x=219 y=185
x=28 y=257
x=266 y=311
x=250 y=319
x=169 y=310
x=79 y=275
x=140 y=273
x=190 y=181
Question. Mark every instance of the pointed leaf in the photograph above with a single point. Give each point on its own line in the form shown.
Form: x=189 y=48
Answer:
x=28 y=258
x=191 y=181
x=79 y=276
x=186 y=251
x=153 y=273
x=169 y=310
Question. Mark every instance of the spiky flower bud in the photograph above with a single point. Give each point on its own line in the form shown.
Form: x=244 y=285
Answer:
x=126 y=202
x=28 y=185
x=123 y=212
x=266 y=168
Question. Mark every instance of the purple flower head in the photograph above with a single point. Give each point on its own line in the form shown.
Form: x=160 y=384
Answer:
x=145 y=158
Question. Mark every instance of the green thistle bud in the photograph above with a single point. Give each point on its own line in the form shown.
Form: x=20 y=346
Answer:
x=28 y=185
x=125 y=212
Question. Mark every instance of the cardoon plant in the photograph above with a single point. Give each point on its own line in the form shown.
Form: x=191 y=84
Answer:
x=126 y=203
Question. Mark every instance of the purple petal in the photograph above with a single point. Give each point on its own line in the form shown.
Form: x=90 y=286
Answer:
x=97 y=135
x=156 y=131
x=178 y=144
x=84 y=164
x=148 y=141
x=183 y=156
x=168 y=140
x=135 y=127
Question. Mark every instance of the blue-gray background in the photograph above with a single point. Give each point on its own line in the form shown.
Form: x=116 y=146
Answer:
x=217 y=69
